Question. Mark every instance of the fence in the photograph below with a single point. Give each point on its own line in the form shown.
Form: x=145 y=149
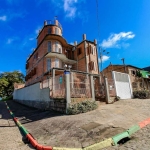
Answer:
x=56 y=85
x=80 y=85
x=99 y=89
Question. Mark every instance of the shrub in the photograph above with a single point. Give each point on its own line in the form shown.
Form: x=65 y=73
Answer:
x=7 y=98
x=117 y=98
x=81 y=107
x=141 y=94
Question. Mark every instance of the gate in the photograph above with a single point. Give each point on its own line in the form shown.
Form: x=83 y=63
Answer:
x=99 y=90
x=122 y=85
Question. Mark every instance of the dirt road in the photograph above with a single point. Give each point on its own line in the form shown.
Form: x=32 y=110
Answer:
x=54 y=129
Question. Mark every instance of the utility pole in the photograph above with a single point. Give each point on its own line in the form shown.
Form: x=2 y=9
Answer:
x=123 y=59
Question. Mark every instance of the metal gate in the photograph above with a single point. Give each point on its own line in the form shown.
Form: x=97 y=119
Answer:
x=122 y=85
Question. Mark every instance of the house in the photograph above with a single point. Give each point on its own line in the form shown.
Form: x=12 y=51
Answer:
x=139 y=78
x=53 y=52
x=147 y=68
x=47 y=84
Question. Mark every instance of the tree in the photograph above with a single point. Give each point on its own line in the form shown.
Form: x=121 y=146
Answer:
x=7 y=80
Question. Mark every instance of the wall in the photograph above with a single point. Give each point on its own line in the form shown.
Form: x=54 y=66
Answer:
x=33 y=93
x=39 y=98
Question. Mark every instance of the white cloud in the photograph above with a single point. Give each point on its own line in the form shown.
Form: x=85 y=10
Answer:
x=31 y=39
x=114 y=39
x=9 y=41
x=70 y=8
x=104 y=58
x=3 y=18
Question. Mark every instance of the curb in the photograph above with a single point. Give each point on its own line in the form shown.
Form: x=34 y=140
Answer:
x=97 y=146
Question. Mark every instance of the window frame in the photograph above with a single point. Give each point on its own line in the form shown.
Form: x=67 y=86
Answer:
x=48 y=64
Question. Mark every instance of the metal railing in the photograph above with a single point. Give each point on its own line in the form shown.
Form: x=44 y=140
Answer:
x=52 y=22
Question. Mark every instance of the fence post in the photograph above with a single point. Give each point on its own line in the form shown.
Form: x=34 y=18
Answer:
x=92 y=87
x=106 y=91
x=67 y=87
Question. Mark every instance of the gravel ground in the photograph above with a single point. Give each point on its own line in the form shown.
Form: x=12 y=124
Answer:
x=54 y=129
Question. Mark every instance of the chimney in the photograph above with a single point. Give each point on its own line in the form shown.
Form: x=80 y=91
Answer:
x=75 y=43
x=95 y=41
x=45 y=23
x=84 y=36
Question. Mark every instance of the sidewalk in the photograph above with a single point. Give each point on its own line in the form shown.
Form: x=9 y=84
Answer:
x=81 y=130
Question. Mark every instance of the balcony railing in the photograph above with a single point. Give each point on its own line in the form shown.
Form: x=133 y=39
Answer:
x=52 y=22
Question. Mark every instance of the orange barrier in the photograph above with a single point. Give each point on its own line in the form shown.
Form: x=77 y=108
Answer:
x=32 y=140
x=144 y=123
x=15 y=119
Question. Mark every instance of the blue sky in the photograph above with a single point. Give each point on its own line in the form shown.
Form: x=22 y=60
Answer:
x=124 y=28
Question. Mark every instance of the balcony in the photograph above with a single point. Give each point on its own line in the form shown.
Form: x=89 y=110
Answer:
x=52 y=22
x=62 y=57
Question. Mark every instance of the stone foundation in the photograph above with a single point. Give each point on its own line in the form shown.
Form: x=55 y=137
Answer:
x=57 y=105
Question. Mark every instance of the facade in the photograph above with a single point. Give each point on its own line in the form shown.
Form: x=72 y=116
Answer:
x=53 y=52
x=137 y=75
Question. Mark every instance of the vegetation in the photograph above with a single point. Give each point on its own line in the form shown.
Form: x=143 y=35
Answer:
x=142 y=94
x=82 y=107
x=7 y=80
x=117 y=98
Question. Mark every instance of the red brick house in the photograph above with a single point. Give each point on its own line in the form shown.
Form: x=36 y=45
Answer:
x=53 y=52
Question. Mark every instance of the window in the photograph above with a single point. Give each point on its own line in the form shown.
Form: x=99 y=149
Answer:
x=49 y=31
x=133 y=72
x=56 y=31
x=48 y=64
x=60 y=50
x=79 y=51
x=49 y=46
x=56 y=47
x=56 y=63
x=94 y=50
x=91 y=65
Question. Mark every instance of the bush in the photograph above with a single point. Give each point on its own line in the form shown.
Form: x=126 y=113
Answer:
x=81 y=107
x=141 y=94
x=7 y=98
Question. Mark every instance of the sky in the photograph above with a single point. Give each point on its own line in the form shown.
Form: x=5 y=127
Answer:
x=121 y=27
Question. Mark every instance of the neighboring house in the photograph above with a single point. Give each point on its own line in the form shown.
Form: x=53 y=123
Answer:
x=53 y=52
x=147 y=68
x=139 y=78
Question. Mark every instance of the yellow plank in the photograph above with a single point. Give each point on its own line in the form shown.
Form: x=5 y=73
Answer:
x=61 y=148
x=100 y=145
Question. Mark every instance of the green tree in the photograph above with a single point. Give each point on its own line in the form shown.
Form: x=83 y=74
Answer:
x=7 y=80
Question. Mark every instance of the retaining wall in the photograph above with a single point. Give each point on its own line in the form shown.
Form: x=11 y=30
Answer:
x=33 y=96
